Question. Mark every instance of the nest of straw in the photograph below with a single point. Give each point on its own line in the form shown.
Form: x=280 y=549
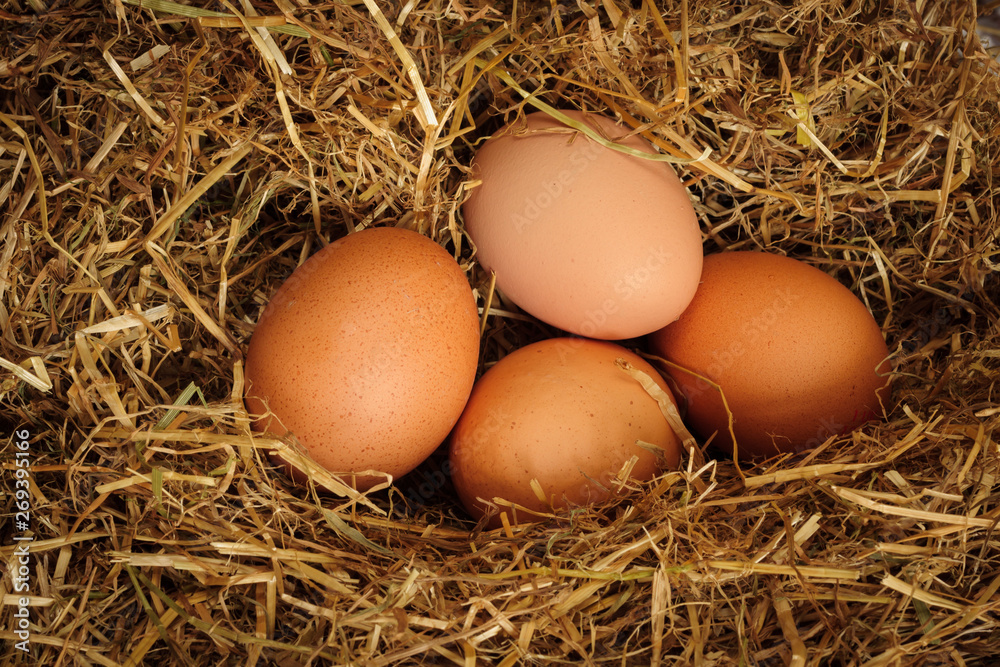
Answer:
x=164 y=167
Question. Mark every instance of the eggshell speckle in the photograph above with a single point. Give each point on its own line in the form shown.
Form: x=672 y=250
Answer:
x=798 y=357
x=584 y=237
x=367 y=353
x=562 y=412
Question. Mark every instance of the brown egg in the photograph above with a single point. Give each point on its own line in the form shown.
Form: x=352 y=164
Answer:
x=562 y=412
x=367 y=353
x=797 y=356
x=584 y=237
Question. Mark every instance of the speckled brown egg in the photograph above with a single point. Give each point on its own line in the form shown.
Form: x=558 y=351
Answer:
x=796 y=355
x=367 y=353
x=584 y=237
x=562 y=412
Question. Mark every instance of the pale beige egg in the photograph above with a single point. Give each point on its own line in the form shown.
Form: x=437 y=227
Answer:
x=586 y=238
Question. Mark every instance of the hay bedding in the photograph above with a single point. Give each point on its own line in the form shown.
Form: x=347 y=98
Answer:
x=160 y=175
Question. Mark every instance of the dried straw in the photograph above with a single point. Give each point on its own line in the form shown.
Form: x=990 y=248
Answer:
x=163 y=167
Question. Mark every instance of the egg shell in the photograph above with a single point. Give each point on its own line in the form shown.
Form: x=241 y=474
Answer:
x=584 y=237
x=367 y=353
x=562 y=412
x=798 y=357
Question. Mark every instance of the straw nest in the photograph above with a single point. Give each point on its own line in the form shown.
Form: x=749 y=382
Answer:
x=163 y=169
